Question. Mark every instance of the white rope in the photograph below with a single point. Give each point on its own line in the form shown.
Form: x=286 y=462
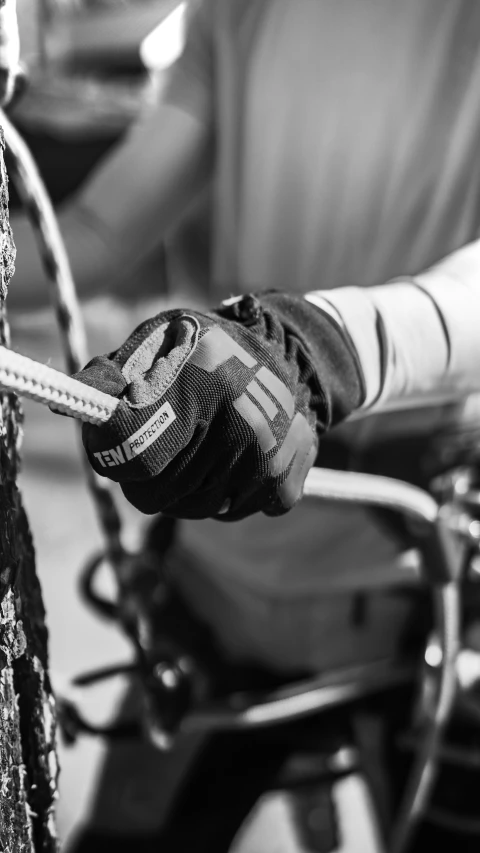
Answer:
x=31 y=379
x=371 y=490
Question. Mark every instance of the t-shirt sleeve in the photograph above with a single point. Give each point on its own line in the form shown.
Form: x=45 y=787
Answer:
x=189 y=80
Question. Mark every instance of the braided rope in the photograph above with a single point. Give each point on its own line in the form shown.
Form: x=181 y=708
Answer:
x=54 y=258
x=31 y=379
x=39 y=209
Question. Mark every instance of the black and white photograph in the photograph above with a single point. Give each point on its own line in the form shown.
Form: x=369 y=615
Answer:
x=239 y=426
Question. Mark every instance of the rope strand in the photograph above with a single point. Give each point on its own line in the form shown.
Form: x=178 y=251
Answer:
x=38 y=382
x=54 y=259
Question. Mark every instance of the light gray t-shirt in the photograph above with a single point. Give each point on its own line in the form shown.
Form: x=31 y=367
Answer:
x=346 y=138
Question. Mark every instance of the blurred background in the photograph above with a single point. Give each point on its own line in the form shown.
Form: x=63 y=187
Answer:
x=93 y=64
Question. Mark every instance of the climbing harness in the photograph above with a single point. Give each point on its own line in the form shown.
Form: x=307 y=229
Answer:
x=173 y=700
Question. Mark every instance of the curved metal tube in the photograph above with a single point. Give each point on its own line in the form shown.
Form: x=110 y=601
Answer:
x=303 y=699
x=373 y=490
x=424 y=772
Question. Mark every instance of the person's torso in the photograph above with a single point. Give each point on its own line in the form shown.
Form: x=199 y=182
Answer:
x=347 y=142
x=348 y=139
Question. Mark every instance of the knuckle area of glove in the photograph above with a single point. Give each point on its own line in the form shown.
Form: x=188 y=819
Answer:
x=180 y=491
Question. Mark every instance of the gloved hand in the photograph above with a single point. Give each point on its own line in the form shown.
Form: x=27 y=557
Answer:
x=220 y=412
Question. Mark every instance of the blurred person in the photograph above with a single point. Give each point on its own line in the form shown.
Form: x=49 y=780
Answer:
x=321 y=148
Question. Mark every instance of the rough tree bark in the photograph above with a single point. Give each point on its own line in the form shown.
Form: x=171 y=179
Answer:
x=28 y=764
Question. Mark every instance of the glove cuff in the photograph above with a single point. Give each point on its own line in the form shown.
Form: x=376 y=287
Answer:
x=327 y=361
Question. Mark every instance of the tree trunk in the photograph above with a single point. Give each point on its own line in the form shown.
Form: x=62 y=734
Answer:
x=28 y=764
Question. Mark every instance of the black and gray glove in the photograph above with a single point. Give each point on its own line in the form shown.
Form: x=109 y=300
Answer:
x=220 y=412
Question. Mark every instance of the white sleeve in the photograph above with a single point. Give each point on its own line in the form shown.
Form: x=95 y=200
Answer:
x=417 y=337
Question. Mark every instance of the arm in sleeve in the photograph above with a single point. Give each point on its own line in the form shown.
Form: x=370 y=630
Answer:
x=137 y=193
x=417 y=338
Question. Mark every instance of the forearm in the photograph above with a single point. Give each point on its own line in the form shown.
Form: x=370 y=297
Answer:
x=416 y=338
x=122 y=213
x=90 y=257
